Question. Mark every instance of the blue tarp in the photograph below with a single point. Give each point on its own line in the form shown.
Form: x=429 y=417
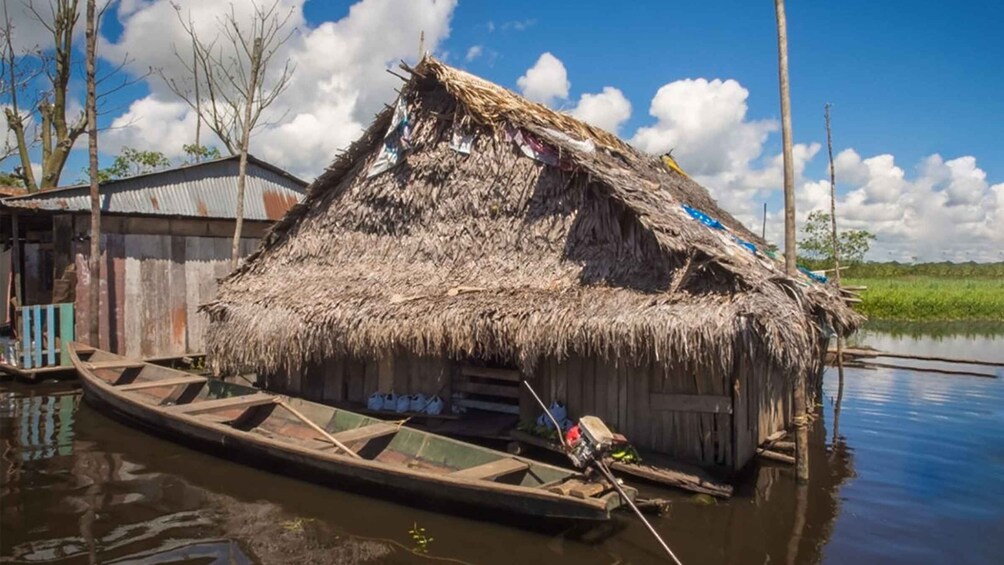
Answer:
x=813 y=276
x=703 y=218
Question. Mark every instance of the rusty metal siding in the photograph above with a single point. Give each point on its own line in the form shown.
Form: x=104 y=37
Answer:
x=208 y=190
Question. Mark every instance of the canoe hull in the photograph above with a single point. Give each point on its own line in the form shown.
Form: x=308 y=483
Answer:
x=400 y=485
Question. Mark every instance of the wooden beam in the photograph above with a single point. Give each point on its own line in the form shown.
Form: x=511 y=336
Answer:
x=489 y=406
x=124 y=364
x=492 y=470
x=366 y=433
x=489 y=373
x=851 y=352
x=775 y=456
x=491 y=390
x=699 y=403
x=162 y=383
x=206 y=406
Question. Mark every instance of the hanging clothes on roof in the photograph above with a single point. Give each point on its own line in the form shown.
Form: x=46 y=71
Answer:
x=395 y=143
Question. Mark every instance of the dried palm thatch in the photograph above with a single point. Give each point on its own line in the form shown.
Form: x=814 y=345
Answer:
x=495 y=254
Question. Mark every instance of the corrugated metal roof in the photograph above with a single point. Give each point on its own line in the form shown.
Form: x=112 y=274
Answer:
x=203 y=190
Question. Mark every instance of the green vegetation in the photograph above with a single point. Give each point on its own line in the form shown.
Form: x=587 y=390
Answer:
x=816 y=246
x=133 y=162
x=958 y=297
x=943 y=269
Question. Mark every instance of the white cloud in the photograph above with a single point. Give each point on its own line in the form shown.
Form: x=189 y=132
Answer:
x=947 y=209
x=473 y=53
x=607 y=109
x=546 y=81
x=704 y=123
x=338 y=85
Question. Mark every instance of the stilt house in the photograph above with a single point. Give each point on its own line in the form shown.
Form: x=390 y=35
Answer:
x=471 y=238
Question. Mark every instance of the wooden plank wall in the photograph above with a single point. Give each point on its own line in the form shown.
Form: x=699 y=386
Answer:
x=350 y=379
x=151 y=287
x=675 y=410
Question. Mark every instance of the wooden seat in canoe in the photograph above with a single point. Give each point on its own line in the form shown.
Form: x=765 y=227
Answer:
x=491 y=470
x=163 y=383
x=123 y=364
x=365 y=433
x=206 y=406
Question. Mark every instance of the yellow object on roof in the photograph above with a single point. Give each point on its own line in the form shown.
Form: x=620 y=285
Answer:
x=671 y=164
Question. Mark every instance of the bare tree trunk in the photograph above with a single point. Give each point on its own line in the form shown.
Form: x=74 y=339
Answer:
x=94 y=261
x=789 y=172
x=836 y=271
x=198 y=102
x=798 y=395
x=235 y=252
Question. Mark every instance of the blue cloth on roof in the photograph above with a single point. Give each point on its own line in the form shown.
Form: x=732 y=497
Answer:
x=813 y=276
x=703 y=218
x=745 y=244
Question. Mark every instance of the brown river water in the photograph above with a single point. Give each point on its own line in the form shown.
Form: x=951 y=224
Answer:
x=914 y=473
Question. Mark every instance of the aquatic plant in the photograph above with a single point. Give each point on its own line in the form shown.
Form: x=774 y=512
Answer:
x=420 y=538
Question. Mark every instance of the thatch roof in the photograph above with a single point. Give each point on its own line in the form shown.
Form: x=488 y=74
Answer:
x=497 y=254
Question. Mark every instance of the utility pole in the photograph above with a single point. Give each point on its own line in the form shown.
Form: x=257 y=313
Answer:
x=789 y=171
x=763 y=231
x=94 y=261
x=798 y=392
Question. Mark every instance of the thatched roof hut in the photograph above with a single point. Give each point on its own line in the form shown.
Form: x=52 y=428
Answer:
x=505 y=232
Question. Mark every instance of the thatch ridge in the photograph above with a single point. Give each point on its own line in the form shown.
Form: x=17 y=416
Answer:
x=495 y=254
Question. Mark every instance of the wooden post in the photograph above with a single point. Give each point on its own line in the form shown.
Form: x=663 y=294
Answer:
x=763 y=232
x=789 y=171
x=94 y=261
x=836 y=271
x=16 y=264
x=798 y=394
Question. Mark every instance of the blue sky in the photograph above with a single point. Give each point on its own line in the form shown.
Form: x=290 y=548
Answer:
x=909 y=78
x=915 y=87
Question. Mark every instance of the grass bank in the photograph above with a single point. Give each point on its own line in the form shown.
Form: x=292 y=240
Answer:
x=931 y=298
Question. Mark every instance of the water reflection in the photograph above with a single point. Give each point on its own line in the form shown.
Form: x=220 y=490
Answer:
x=904 y=469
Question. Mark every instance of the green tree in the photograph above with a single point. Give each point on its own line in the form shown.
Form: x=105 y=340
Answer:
x=11 y=179
x=816 y=246
x=133 y=162
x=196 y=153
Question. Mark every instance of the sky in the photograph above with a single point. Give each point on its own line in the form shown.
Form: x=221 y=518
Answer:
x=915 y=90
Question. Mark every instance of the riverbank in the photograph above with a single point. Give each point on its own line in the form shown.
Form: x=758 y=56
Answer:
x=927 y=298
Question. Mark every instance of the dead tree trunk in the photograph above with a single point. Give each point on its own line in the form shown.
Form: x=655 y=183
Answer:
x=94 y=261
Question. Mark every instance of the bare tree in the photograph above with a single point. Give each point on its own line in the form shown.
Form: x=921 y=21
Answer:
x=17 y=71
x=94 y=261
x=231 y=72
x=39 y=115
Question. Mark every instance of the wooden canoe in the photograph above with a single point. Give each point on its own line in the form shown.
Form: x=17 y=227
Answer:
x=394 y=461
